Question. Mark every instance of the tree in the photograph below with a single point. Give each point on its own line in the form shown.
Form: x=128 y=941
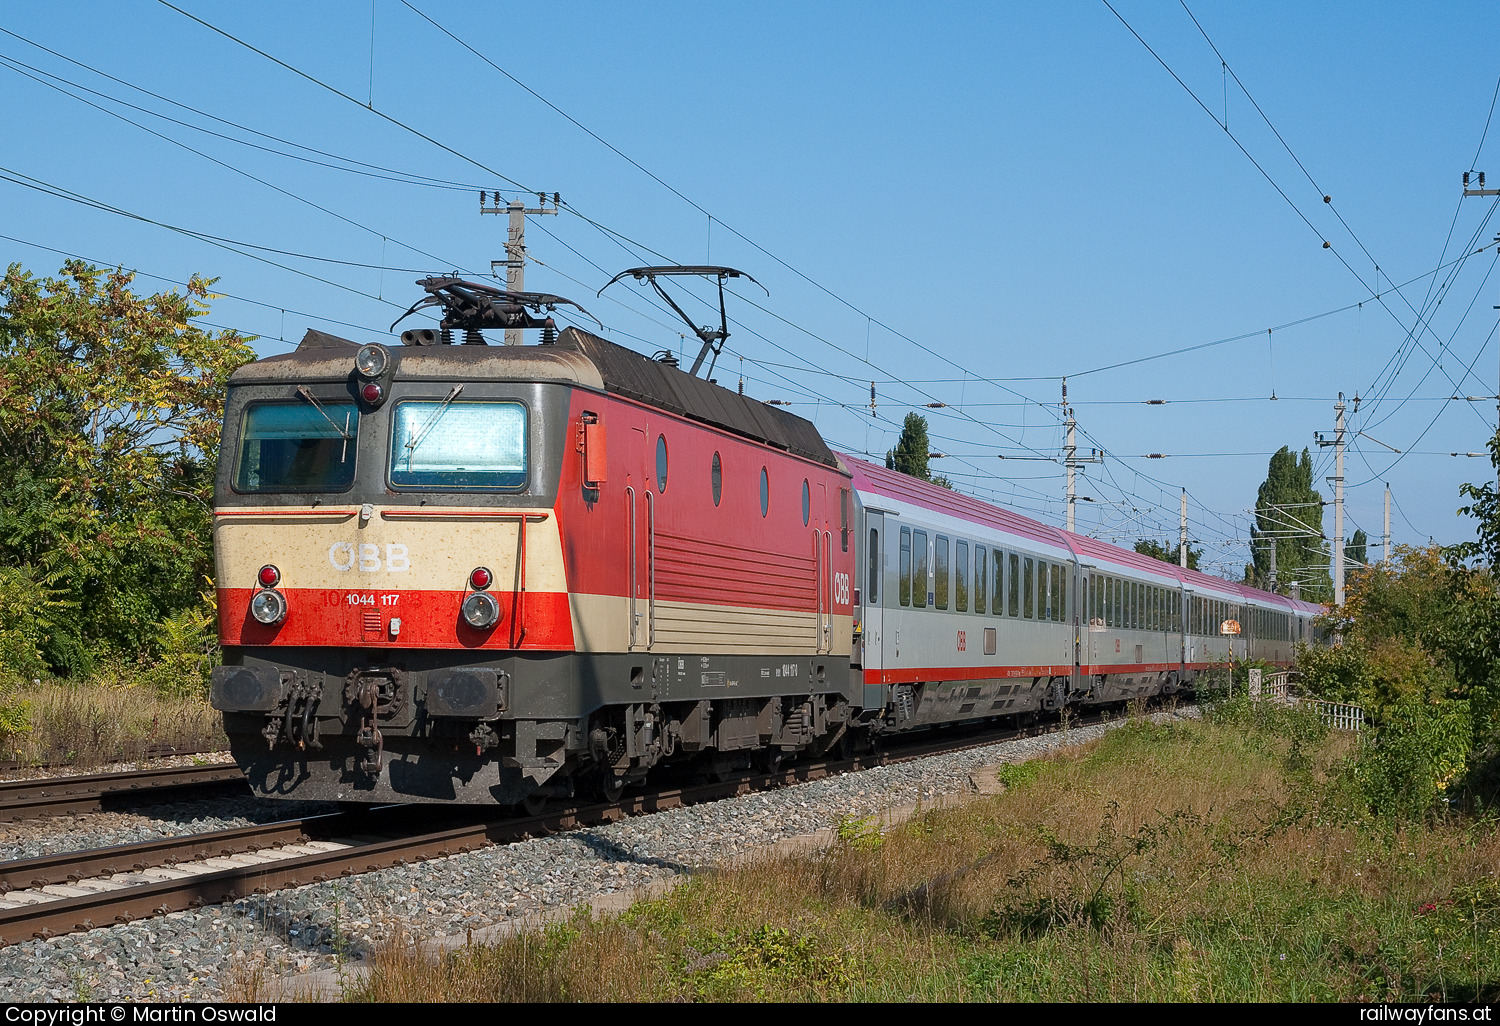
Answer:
x=912 y=448
x=1289 y=516
x=110 y=406
x=1355 y=554
x=1151 y=547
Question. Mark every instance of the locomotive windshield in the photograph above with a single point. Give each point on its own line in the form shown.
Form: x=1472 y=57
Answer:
x=459 y=445
x=301 y=447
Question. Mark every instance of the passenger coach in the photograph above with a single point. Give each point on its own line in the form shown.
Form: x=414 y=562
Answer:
x=967 y=610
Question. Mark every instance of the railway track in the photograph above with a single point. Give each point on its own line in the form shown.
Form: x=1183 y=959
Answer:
x=58 y=796
x=58 y=894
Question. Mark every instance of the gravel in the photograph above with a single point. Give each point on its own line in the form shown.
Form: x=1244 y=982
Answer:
x=207 y=954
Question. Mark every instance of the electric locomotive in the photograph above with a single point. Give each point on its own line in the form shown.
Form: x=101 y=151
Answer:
x=474 y=573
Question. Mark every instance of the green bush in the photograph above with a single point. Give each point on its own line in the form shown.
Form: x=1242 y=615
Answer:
x=1414 y=758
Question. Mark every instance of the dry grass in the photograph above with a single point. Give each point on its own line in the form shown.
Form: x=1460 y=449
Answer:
x=1213 y=861
x=90 y=725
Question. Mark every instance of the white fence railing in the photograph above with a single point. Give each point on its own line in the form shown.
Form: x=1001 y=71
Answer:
x=1276 y=687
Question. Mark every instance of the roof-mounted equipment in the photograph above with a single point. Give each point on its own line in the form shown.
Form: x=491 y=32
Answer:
x=471 y=306
x=712 y=339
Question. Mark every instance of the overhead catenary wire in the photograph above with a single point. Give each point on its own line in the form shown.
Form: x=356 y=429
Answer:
x=854 y=408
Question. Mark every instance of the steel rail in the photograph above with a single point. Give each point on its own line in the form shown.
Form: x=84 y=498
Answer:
x=80 y=908
x=51 y=796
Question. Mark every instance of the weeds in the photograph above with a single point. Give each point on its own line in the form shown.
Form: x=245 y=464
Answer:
x=1212 y=861
x=91 y=724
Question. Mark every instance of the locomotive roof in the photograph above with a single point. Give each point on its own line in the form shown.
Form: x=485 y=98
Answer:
x=576 y=358
x=634 y=376
x=874 y=479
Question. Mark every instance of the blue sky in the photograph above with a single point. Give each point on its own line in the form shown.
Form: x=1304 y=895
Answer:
x=962 y=202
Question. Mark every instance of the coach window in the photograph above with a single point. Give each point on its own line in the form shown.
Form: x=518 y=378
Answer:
x=1015 y=584
x=806 y=502
x=919 y=570
x=961 y=576
x=940 y=571
x=1028 y=590
x=765 y=492
x=661 y=463
x=872 y=593
x=716 y=478
x=1062 y=593
x=997 y=596
x=1043 y=595
x=980 y=584
x=905 y=568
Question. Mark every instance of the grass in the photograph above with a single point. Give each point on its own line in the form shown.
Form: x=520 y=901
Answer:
x=1212 y=861
x=91 y=724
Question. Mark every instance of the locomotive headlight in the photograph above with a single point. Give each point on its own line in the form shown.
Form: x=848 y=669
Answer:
x=268 y=607
x=481 y=611
x=371 y=361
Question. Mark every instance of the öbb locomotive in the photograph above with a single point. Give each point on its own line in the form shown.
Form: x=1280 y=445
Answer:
x=458 y=572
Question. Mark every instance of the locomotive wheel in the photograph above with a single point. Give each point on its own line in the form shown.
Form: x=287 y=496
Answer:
x=843 y=748
x=534 y=803
x=609 y=786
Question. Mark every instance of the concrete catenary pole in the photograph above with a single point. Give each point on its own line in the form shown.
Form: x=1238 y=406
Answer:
x=1071 y=450
x=1338 y=504
x=515 y=246
x=1182 y=534
x=1386 y=538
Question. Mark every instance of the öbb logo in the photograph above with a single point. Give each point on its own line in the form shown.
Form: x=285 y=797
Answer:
x=365 y=557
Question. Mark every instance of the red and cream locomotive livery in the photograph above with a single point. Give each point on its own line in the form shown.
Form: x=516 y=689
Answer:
x=490 y=574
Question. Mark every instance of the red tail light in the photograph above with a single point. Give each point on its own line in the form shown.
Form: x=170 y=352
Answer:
x=481 y=578
x=269 y=576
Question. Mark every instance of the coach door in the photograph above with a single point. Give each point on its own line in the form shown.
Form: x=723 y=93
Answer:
x=640 y=526
x=872 y=563
x=871 y=571
x=1083 y=603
